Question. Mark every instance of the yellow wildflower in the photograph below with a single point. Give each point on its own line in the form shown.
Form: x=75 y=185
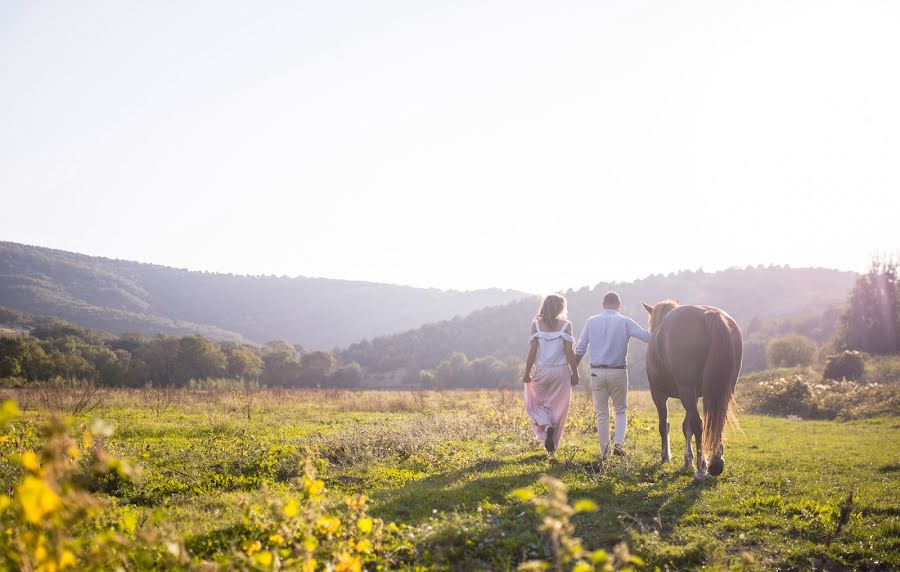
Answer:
x=263 y=559
x=364 y=545
x=37 y=499
x=30 y=461
x=309 y=565
x=66 y=559
x=291 y=508
x=310 y=543
x=276 y=539
x=348 y=563
x=328 y=524
x=87 y=440
x=251 y=546
x=364 y=525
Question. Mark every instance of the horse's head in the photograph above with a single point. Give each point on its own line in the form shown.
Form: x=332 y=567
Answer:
x=658 y=312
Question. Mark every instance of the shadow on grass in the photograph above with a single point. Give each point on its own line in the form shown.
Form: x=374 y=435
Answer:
x=631 y=496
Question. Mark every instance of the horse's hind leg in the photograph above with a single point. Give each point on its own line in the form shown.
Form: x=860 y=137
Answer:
x=693 y=425
x=688 y=453
x=662 y=408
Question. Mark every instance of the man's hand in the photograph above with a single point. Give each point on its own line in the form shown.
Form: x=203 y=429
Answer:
x=575 y=378
x=526 y=378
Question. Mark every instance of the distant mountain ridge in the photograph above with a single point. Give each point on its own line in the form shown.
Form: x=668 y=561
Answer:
x=119 y=296
x=751 y=295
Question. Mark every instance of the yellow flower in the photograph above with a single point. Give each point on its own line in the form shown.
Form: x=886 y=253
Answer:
x=328 y=524
x=276 y=539
x=37 y=499
x=4 y=502
x=66 y=559
x=364 y=525
x=251 y=546
x=87 y=440
x=313 y=487
x=347 y=563
x=263 y=559
x=8 y=412
x=30 y=461
x=310 y=543
x=40 y=551
x=364 y=545
x=309 y=565
x=291 y=508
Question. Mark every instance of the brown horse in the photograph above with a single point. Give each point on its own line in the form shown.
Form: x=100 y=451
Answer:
x=695 y=352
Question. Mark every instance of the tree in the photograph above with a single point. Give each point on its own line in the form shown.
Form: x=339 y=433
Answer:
x=243 y=363
x=280 y=368
x=198 y=358
x=349 y=375
x=871 y=320
x=790 y=351
x=317 y=367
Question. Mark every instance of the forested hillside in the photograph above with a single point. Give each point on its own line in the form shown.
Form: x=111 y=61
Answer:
x=120 y=296
x=766 y=301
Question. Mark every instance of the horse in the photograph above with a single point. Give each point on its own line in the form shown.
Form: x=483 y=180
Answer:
x=695 y=351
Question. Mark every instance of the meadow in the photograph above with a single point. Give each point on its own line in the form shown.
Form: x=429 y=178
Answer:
x=453 y=471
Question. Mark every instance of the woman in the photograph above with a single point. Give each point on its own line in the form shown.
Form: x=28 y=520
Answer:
x=550 y=371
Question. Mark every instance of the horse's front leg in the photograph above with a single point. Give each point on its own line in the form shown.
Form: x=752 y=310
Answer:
x=662 y=408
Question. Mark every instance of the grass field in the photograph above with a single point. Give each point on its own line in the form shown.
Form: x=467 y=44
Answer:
x=444 y=464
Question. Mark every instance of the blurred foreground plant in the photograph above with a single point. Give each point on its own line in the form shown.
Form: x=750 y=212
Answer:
x=300 y=532
x=50 y=508
x=568 y=551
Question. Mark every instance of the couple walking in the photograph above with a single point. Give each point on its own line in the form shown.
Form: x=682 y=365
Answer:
x=551 y=369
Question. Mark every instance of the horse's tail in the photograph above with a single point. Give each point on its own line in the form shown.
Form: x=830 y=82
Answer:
x=718 y=382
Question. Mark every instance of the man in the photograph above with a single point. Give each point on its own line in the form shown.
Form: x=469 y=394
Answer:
x=607 y=334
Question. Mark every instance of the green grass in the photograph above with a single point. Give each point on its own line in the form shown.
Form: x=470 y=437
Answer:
x=445 y=463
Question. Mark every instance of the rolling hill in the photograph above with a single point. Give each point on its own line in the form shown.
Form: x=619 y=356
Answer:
x=761 y=299
x=122 y=296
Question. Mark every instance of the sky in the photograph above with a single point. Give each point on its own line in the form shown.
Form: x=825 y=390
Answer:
x=466 y=144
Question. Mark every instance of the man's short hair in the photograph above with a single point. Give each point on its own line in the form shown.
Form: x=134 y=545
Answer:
x=611 y=299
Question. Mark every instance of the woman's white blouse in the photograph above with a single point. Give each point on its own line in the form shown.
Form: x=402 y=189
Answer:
x=551 y=345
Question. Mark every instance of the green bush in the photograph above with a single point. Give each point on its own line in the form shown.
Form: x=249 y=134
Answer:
x=845 y=365
x=790 y=351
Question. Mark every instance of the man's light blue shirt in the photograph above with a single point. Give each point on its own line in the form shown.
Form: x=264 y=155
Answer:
x=607 y=334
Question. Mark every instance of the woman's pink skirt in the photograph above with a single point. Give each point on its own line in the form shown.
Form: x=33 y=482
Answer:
x=547 y=400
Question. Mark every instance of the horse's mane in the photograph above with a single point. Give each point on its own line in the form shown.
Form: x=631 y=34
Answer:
x=660 y=309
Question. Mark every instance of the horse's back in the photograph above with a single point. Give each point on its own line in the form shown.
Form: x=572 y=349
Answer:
x=678 y=351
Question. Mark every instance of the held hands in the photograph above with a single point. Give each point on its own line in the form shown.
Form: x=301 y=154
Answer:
x=526 y=378
x=575 y=378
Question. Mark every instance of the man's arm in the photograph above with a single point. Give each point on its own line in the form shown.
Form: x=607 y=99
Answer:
x=635 y=331
x=582 y=345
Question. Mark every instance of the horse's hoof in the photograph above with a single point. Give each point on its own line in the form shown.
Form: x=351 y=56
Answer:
x=699 y=475
x=687 y=467
x=716 y=467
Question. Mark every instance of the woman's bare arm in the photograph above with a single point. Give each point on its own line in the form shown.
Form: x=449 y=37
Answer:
x=532 y=355
x=571 y=357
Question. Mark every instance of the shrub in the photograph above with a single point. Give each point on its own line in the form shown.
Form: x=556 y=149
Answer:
x=845 y=365
x=790 y=351
x=820 y=399
x=568 y=551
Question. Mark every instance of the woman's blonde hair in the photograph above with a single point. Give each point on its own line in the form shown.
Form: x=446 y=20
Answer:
x=552 y=308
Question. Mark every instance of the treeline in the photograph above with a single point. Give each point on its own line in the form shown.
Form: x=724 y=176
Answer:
x=459 y=372
x=59 y=349
x=767 y=300
x=869 y=322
